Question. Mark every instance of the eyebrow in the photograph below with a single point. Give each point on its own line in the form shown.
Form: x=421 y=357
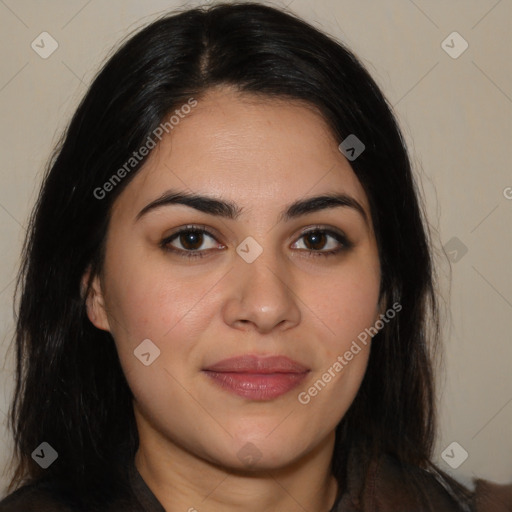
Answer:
x=230 y=210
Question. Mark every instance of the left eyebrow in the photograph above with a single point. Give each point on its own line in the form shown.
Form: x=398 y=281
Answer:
x=230 y=210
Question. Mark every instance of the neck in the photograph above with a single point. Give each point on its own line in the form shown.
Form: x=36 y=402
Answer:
x=182 y=481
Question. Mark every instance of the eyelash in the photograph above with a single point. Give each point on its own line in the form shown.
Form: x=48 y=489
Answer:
x=339 y=237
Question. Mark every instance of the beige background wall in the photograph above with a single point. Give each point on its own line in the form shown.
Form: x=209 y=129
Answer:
x=456 y=114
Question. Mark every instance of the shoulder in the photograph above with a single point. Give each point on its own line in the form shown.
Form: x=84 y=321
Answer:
x=36 y=497
x=54 y=496
x=492 y=497
x=396 y=486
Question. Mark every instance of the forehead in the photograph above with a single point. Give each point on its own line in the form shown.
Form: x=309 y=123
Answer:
x=248 y=148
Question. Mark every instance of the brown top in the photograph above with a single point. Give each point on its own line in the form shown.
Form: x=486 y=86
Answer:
x=384 y=492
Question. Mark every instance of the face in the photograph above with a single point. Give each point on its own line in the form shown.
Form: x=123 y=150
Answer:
x=283 y=290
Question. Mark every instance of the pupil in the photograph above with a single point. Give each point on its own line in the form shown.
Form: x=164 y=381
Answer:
x=315 y=238
x=191 y=239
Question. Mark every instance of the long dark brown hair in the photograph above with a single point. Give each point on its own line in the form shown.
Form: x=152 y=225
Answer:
x=70 y=388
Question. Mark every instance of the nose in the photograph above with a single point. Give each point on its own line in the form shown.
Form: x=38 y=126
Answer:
x=261 y=295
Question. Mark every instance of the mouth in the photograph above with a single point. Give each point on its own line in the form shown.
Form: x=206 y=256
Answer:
x=257 y=378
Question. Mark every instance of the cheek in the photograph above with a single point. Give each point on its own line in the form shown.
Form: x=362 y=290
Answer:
x=172 y=309
x=146 y=300
x=346 y=304
x=146 y=304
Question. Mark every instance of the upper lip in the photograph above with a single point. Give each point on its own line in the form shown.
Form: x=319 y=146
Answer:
x=258 y=364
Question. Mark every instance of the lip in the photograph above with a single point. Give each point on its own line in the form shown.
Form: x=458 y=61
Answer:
x=257 y=378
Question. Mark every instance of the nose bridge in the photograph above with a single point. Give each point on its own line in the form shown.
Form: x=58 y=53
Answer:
x=262 y=288
x=264 y=274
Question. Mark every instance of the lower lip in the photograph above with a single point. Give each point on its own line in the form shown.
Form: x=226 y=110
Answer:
x=257 y=386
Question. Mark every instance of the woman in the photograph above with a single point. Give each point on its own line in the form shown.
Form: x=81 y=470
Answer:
x=227 y=292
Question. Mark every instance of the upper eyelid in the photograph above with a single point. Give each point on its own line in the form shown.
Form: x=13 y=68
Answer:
x=192 y=227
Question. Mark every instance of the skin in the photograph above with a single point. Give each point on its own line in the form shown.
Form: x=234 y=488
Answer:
x=261 y=154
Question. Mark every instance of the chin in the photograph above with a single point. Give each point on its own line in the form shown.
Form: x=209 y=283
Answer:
x=263 y=453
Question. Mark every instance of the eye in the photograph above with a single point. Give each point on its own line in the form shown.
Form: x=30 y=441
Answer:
x=190 y=242
x=323 y=242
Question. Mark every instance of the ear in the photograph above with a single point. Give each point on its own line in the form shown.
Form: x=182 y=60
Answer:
x=95 y=302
